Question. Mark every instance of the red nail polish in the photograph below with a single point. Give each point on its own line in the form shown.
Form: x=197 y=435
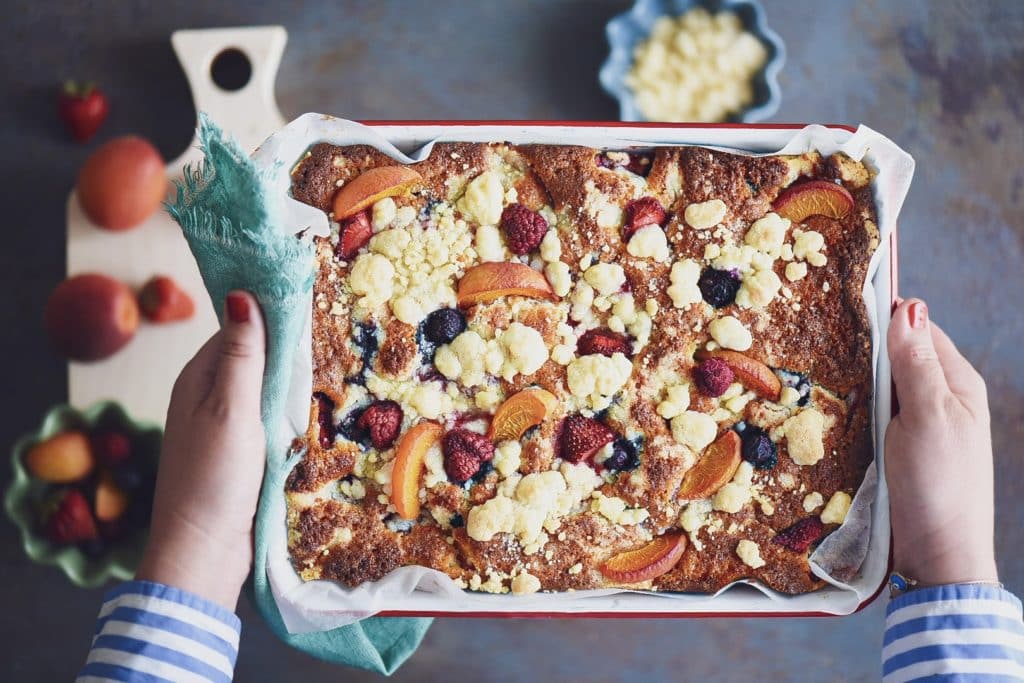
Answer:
x=918 y=315
x=238 y=307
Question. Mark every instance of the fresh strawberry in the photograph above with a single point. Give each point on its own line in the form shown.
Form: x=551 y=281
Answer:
x=71 y=520
x=382 y=421
x=353 y=233
x=524 y=229
x=582 y=437
x=604 y=342
x=82 y=109
x=801 y=535
x=162 y=301
x=642 y=212
x=111 y=447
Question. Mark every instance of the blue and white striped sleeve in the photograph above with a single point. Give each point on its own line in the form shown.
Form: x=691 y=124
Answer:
x=152 y=632
x=964 y=632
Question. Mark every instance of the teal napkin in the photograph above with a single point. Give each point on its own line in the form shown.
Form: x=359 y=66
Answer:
x=227 y=212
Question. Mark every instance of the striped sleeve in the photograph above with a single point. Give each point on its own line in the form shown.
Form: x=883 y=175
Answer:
x=152 y=632
x=954 y=633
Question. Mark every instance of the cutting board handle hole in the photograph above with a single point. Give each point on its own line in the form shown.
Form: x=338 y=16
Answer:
x=231 y=69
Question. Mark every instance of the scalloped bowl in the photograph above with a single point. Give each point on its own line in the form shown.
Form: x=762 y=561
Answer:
x=625 y=31
x=25 y=494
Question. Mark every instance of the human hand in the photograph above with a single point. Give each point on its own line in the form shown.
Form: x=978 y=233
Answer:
x=211 y=464
x=938 y=456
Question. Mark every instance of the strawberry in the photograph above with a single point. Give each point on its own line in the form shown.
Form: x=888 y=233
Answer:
x=642 y=212
x=71 y=520
x=382 y=421
x=82 y=109
x=582 y=437
x=162 y=301
x=353 y=233
x=111 y=447
x=604 y=342
x=524 y=229
x=801 y=535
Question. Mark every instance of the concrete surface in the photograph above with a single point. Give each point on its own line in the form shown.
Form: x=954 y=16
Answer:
x=942 y=79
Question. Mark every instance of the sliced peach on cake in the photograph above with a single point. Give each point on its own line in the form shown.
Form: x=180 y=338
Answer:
x=814 y=198
x=526 y=409
x=751 y=373
x=370 y=186
x=646 y=563
x=714 y=469
x=493 y=280
x=408 y=468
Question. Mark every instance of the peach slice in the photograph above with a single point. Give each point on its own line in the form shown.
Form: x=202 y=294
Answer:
x=111 y=501
x=714 y=469
x=405 y=477
x=61 y=459
x=646 y=563
x=526 y=409
x=370 y=186
x=493 y=280
x=814 y=198
x=751 y=373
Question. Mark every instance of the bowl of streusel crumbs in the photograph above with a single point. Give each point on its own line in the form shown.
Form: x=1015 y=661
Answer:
x=693 y=61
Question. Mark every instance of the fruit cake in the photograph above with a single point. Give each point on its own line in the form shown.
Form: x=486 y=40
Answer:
x=545 y=367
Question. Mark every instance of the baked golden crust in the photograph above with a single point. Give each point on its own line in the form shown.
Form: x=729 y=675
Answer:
x=533 y=512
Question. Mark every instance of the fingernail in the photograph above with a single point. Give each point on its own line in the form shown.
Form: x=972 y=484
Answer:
x=238 y=307
x=918 y=315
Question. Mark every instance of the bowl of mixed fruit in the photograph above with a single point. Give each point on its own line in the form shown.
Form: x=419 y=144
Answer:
x=82 y=491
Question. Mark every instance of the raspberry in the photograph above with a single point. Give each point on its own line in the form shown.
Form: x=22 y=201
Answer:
x=801 y=535
x=641 y=212
x=581 y=437
x=111 y=447
x=353 y=233
x=383 y=422
x=524 y=229
x=464 y=452
x=713 y=376
x=758 y=449
x=325 y=418
x=461 y=466
x=718 y=287
x=604 y=342
x=443 y=325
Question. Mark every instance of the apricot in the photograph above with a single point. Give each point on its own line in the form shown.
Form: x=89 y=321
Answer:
x=490 y=281
x=646 y=563
x=61 y=459
x=122 y=183
x=367 y=188
x=91 y=316
x=714 y=469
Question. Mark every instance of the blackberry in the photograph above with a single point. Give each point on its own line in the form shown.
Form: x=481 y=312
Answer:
x=718 y=287
x=625 y=456
x=350 y=429
x=443 y=325
x=758 y=449
x=797 y=381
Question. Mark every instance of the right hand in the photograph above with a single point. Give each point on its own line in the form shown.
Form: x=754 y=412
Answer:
x=938 y=457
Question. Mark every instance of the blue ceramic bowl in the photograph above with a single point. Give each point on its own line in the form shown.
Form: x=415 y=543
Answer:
x=627 y=30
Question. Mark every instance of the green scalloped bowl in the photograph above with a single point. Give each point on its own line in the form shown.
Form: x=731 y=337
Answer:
x=25 y=494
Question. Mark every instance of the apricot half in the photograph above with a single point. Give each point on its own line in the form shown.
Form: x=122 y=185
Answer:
x=518 y=413
x=646 y=563
x=408 y=468
x=371 y=186
x=714 y=469
x=814 y=198
x=494 y=280
x=61 y=459
x=751 y=373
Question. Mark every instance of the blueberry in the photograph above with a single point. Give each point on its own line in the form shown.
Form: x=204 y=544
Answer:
x=625 y=456
x=93 y=548
x=365 y=338
x=443 y=325
x=718 y=287
x=127 y=477
x=758 y=449
x=481 y=474
x=457 y=521
x=797 y=381
x=351 y=431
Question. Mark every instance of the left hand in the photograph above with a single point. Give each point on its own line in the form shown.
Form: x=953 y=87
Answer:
x=211 y=464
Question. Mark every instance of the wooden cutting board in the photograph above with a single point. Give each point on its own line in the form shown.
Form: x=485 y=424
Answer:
x=141 y=375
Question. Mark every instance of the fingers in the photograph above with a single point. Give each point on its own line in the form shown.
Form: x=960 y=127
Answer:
x=916 y=369
x=238 y=374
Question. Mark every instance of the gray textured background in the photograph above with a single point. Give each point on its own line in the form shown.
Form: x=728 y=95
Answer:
x=944 y=79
